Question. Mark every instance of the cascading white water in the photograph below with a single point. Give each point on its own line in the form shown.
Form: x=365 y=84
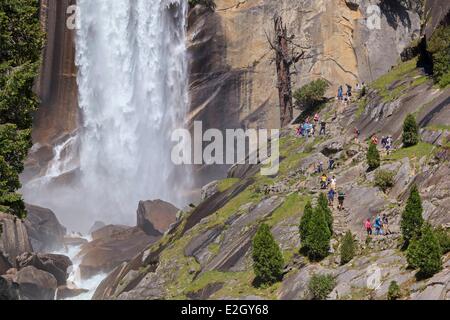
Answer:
x=132 y=82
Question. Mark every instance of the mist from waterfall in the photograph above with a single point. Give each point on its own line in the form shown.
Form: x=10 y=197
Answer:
x=132 y=82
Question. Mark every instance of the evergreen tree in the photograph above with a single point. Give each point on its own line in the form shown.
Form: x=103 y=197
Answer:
x=373 y=157
x=318 y=236
x=304 y=221
x=21 y=42
x=322 y=202
x=267 y=258
x=424 y=253
x=347 y=248
x=412 y=219
x=410 y=131
x=394 y=291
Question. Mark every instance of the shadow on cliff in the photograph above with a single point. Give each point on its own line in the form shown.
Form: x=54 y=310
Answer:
x=219 y=94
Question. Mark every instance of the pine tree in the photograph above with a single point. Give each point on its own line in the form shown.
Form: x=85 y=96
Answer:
x=318 y=237
x=394 y=291
x=347 y=248
x=373 y=157
x=410 y=131
x=424 y=253
x=267 y=258
x=323 y=204
x=412 y=219
x=307 y=215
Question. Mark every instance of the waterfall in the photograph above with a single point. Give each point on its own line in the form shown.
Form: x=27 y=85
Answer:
x=132 y=82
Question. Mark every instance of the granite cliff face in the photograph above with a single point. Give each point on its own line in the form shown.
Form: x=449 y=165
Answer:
x=56 y=86
x=233 y=81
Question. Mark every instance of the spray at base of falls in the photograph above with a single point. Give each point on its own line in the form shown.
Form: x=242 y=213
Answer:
x=132 y=81
x=75 y=278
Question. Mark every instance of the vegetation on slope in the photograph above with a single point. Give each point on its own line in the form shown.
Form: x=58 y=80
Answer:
x=21 y=40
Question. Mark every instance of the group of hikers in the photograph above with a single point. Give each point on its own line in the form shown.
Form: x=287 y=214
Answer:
x=380 y=224
x=386 y=142
x=308 y=127
x=346 y=97
x=330 y=184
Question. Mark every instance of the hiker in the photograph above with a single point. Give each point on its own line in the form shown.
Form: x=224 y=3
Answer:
x=322 y=127
x=374 y=140
x=333 y=183
x=357 y=133
x=341 y=198
x=299 y=130
x=323 y=181
x=319 y=167
x=331 y=194
x=305 y=129
x=349 y=90
x=316 y=118
x=368 y=227
x=378 y=225
x=340 y=93
x=388 y=145
x=330 y=164
x=383 y=141
x=386 y=225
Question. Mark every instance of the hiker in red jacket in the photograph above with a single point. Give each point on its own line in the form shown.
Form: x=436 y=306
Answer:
x=368 y=226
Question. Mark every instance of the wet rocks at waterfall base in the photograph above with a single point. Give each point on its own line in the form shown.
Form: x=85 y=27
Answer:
x=45 y=232
x=55 y=264
x=112 y=245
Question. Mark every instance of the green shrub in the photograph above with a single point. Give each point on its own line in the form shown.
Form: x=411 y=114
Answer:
x=318 y=236
x=394 y=291
x=443 y=237
x=267 y=257
x=311 y=94
x=439 y=48
x=384 y=179
x=320 y=286
x=424 y=253
x=410 y=135
x=348 y=248
x=412 y=219
x=373 y=157
x=304 y=221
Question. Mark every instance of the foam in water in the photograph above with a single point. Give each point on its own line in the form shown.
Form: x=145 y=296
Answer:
x=132 y=82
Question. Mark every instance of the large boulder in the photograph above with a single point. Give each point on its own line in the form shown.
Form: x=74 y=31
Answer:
x=96 y=226
x=155 y=217
x=108 y=231
x=55 y=264
x=35 y=284
x=45 y=232
x=9 y=290
x=65 y=292
x=104 y=254
x=13 y=240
